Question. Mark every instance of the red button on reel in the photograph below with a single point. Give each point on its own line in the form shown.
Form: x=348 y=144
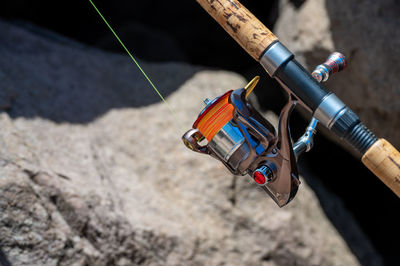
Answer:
x=259 y=178
x=262 y=175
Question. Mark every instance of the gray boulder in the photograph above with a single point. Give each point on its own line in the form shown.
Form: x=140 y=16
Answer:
x=93 y=171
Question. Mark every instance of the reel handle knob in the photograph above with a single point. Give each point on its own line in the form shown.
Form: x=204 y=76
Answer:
x=336 y=62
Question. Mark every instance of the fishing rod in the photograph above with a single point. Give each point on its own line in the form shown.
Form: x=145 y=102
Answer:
x=235 y=133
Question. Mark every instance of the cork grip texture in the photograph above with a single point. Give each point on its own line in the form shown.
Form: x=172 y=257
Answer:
x=243 y=26
x=384 y=161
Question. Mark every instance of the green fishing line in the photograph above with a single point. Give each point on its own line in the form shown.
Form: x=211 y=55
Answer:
x=137 y=64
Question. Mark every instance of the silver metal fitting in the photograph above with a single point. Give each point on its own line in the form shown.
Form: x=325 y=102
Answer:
x=329 y=110
x=276 y=55
x=306 y=142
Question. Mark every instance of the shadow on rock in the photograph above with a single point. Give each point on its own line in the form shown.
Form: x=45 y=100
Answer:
x=370 y=86
x=62 y=82
x=3 y=259
x=368 y=35
x=370 y=83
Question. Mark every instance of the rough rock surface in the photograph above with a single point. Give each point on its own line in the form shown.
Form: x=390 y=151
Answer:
x=93 y=171
x=368 y=34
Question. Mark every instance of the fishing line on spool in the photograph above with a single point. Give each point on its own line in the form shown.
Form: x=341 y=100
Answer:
x=215 y=116
x=140 y=68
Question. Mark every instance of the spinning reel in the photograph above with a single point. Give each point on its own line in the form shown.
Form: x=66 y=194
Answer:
x=246 y=143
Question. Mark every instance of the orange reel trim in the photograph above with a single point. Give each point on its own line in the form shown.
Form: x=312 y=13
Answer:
x=215 y=117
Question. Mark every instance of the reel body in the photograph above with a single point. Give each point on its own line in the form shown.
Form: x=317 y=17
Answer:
x=246 y=143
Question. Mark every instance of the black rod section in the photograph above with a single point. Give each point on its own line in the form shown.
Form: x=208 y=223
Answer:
x=302 y=84
x=311 y=94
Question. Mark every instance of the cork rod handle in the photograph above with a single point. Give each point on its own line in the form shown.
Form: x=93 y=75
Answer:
x=384 y=161
x=241 y=24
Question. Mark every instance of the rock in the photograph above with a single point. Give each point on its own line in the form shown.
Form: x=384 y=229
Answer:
x=368 y=34
x=93 y=171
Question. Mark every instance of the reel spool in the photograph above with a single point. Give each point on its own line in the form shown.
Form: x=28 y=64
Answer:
x=246 y=143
